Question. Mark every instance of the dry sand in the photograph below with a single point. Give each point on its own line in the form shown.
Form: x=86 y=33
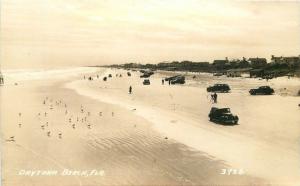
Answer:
x=159 y=135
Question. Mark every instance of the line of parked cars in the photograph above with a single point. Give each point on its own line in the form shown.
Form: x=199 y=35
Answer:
x=224 y=88
x=224 y=115
x=216 y=115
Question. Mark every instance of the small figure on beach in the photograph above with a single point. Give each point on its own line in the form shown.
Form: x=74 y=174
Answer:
x=73 y=126
x=20 y=114
x=130 y=89
x=100 y=113
x=112 y=114
x=214 y=97
x=20 y=125
x=60 y=135
x=162 y=81
x=1 y=79
x=169 y=82
x=48 y=133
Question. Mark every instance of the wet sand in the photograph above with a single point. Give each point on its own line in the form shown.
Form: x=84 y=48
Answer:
x=147 y=138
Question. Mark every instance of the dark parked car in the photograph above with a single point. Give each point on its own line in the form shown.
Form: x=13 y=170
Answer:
x=179 y=79
x=222 y=116
x=147 y=74
x=146 y=82
x=218 y=88
x=128 y=74
x=263 y=90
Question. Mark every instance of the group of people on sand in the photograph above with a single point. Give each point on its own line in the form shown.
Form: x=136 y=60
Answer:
x=163 y=82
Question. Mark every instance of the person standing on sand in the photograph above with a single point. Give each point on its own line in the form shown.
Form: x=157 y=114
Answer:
x=162 y=81
x=1 y=79
x=212 y=99
x=130 y=89
x=215 y=97
x=169 y=82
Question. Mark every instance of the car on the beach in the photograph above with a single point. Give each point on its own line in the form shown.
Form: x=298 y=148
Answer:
x=146 y=74
x=128 y=74
x=263 y=90
x=146 y=82
x=218 y=88
x=105 y=78
x=179 y=79
x=222 y=116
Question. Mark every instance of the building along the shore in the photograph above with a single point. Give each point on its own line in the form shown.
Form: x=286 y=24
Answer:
x=257 y=62
x=292 y=60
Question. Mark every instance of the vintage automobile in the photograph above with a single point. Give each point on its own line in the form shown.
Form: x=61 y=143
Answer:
x=146 y=82
x=179 y=79
x=128 y=74
x=218 y=88
x=263 y=90
x=105 y=78
x=222 y=116
x=146 y=74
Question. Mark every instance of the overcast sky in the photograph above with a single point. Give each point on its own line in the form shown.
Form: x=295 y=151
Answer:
x=42 y=33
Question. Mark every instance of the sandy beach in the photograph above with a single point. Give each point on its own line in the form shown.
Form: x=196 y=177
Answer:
x=158 y=135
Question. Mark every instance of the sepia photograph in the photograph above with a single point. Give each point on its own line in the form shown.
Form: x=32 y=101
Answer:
x=150 y=92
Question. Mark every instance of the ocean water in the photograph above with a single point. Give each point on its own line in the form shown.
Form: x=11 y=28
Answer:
x=13 y=75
